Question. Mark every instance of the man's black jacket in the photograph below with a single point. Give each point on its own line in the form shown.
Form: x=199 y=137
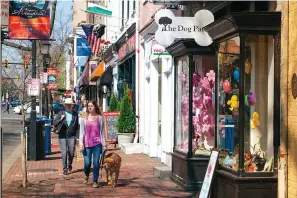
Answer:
x=67 y=131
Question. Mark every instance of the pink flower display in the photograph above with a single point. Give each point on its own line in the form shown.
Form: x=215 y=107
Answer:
x=196 y=79
x=182 y=77
x=203 y=123
x=211 y=76
x=205 y=82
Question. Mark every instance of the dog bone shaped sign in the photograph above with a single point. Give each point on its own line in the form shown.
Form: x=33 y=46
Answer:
x=171 y=27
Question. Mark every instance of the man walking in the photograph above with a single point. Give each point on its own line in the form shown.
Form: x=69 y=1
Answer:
x=67 y=126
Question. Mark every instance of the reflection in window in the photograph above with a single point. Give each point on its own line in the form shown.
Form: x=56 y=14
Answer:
x=182 y=107
x=258 y=108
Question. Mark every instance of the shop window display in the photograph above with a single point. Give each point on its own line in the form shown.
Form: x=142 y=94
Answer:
x=258 y=99
x=203 y=105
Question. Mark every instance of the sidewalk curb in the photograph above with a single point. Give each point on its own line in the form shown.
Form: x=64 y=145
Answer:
x=10 y=161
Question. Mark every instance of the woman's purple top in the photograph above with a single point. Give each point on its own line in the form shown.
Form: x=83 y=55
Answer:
x=92 y=136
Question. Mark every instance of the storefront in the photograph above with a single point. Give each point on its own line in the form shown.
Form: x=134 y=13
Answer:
x=108 y=83
x=86 y=85
x=126 y=62
x=157 y=82
x=247 y=103
x=95 y=76
x=194 y=111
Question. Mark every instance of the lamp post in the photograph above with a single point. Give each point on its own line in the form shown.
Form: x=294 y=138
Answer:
x=45 y=48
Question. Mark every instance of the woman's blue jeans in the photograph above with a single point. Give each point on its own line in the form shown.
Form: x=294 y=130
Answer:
x=96 y=151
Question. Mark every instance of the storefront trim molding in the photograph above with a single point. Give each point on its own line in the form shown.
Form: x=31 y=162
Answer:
x=249 y=23
x=188 y=46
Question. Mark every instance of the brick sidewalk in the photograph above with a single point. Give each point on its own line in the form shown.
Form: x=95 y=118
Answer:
x=46 y=179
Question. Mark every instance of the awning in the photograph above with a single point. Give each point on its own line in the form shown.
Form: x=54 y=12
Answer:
x=84 y=80
x=97 y=9
x=106 y=78
x=98 y=71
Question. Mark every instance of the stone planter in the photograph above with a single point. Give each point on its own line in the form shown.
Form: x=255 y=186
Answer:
x=124 y=138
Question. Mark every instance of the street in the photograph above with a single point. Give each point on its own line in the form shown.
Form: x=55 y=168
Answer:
x=11 y=126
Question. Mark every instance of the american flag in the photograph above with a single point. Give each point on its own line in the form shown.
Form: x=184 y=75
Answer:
x=94 y=42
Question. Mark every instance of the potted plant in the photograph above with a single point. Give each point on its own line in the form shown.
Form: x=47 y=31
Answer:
x=113 y=103
x=126 y=121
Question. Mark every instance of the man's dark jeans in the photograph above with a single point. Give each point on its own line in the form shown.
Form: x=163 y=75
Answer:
x=67 y=149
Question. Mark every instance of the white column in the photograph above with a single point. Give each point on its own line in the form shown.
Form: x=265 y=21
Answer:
x=75 y=62
x=104 y=105
x=167 y=111
x=141 y=95
x=154 y=112
x=147 y=110
x=136 y=69
x=68 y=75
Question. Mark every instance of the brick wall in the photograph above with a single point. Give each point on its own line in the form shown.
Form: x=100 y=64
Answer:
x=292 y=104
x=146 y=11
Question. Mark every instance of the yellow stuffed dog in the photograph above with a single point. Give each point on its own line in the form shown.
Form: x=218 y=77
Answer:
x=255 y=120
x=233 y=103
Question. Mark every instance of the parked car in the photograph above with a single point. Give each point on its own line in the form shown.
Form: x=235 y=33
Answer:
x=15 y=103
x=27 y=108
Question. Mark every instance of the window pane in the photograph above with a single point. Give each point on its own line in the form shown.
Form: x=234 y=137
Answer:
x=203 y=104
x=182 y=105
x=259 y=88
x=228 y=94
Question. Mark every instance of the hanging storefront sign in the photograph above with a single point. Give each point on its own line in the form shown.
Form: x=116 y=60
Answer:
x=158 y=49
x=52 y=77
x=82 y=47
x=4 y=13
x=43 y=77
x=33 y=87
x=29 y=20
x=171 y=27
x=127 y=48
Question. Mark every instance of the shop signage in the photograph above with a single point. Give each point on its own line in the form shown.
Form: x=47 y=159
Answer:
x=127 y=48
x=209 y=174
x=4 y=13
x=52 y=77
x=33 y=87
x=110 y=120
x=43 y=77
x=158 y=49
x=82 y=47
x=29 y=20
x=171 y=27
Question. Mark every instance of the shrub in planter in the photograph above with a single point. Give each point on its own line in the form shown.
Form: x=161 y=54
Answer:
x=126 y=120
x=113 y=104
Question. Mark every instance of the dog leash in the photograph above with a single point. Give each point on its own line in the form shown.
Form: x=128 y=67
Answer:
x=101 y=162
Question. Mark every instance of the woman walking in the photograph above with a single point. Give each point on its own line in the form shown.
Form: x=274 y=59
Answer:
x=67 y=125
x=92 y=140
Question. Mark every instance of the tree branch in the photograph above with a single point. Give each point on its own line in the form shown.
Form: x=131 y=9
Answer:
x=14 y=45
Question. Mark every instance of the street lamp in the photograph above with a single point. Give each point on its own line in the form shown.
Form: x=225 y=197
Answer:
x=45 y=46
x=45 y=50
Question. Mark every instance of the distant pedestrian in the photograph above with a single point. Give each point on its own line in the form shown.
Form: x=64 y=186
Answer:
x=66 y=123
x=6 y=106
x=82 y=100
x=92 y=140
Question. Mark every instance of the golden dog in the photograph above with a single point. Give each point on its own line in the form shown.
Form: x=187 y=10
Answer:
x=112 y=164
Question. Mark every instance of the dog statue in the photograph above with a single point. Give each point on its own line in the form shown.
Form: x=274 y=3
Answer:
x=112 y=165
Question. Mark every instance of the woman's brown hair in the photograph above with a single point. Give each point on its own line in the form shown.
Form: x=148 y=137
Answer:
x=97 y=110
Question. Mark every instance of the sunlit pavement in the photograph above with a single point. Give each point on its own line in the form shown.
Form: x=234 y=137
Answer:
x=46 y=179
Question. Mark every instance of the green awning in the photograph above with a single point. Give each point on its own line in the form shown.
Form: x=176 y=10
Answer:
x=97 y=9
